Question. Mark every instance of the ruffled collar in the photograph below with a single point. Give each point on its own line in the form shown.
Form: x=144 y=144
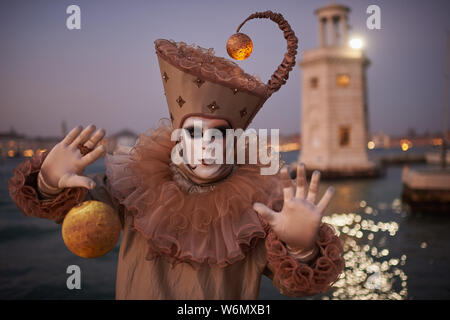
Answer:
x=188 y=185
x=213 y=224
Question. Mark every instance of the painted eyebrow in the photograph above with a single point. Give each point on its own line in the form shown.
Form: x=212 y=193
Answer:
x=222 y=127
x=219 y=127
x=191 y=128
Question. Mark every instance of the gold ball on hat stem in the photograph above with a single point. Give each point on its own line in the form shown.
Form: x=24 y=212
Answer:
x=239 y=46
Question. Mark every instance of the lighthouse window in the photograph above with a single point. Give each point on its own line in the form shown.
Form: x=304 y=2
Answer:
x=314 y=82
x=343 y=80
x=344 y=136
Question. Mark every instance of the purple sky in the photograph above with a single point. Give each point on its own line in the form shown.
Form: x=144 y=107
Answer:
x=107 y=72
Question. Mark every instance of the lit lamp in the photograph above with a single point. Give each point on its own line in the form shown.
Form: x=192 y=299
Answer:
x=405 y=144
x=356 y=43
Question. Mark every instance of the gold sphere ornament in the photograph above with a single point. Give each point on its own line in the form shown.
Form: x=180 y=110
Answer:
x=91 y=229
x=239 y=46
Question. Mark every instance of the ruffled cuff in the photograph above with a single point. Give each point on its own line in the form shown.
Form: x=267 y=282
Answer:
x=23 y=191
x=296 y=279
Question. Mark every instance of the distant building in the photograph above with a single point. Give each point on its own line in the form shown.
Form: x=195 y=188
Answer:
x=334 y=100
x=381 y=140
x=13 y=144
x=289 y=143
x=124 y=137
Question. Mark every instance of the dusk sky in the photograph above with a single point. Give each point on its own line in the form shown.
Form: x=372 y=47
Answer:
x=107 y=73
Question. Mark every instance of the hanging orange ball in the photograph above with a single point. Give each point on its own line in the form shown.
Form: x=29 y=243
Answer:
x=239 y=46
x=91 y=229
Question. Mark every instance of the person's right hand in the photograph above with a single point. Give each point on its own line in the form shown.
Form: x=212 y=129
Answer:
x=64 y=165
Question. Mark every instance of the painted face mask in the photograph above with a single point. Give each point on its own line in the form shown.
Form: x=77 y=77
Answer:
x=204 y=149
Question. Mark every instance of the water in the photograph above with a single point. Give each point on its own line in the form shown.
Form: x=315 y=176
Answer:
x=389 y=253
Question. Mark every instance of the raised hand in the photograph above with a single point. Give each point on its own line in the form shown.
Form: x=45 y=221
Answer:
x=298 y=222
x=64 y=165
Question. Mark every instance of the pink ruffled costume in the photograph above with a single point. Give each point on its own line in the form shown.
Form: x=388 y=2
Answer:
x=182 y=241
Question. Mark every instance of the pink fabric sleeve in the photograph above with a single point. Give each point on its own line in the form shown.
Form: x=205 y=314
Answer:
x=296 y=279
x=23 y=191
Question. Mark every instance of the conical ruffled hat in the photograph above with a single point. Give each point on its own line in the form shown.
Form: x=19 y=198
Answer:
x=197 y=83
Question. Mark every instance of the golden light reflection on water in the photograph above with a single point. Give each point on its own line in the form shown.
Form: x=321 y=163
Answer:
x=371 y=272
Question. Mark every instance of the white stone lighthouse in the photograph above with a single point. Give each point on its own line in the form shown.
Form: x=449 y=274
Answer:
x=334 y=101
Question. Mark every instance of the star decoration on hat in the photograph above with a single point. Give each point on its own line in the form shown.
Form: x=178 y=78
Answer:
x=180 y=101
x=199 y=82
x=213 y=106
x=243 y=112
x=165 y=77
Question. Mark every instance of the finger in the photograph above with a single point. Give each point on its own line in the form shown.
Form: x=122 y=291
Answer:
x=95 y=138
x=323 y=203
x=72 y=135
x=288 y=193
x=300 y=192
x=92 y=156
x=74 y=180
x=83 y=136
x=313 y=187
x=288 y=188
x=265 y=212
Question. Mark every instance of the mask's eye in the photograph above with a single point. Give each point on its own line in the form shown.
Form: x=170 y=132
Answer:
x=223 y=130
x=192 y=131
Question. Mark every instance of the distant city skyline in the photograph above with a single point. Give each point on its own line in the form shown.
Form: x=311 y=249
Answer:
x=107 y=72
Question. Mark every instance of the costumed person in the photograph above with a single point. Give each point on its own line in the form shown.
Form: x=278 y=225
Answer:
x=204 y=231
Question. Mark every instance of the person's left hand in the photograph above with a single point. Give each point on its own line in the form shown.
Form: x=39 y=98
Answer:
x=298 y=222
